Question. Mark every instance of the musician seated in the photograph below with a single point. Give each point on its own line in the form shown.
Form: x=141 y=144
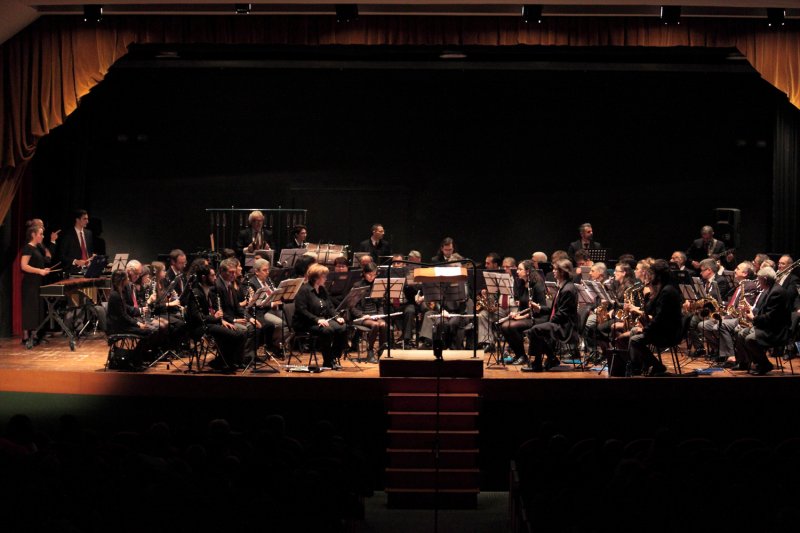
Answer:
x=557 y=255
x=446 y=325
x=314 y=313
x=268 y=314
x=164 y=302
x=678 y=262
x=770 y=319
x=662 y=321
x=598 y=332
x=364 y=314
x=720 y=336
x=562 y=322
x=716 y=287
x=528 y=283
x=177 y=264
x=486 y=337
x=298 y=237
x=205 y=316
x=447 y=252
x=121 y=321
x=594 y=330
x=232 y=310
x=581 y=262
x=133 y=299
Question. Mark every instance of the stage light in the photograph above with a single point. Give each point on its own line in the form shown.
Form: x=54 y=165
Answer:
x=242 y=9
x=671 y=15
x=776 y=17
x=92 y=13
x=346 y=12
x=532 y=13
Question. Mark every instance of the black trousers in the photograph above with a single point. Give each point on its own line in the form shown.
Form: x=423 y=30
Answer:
x=330 y=341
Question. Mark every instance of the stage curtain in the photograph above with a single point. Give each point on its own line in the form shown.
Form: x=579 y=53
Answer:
x=47 y=68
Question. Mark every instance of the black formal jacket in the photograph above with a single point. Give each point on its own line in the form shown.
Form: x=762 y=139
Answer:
x=698 y=251
x=383 y=248
x=310 y=307
x=119 y=319
x=247 y=235
x=181 y=282
x=231 y=310
x=128 y=300
x=292 y=244
x=790 y=286
x=566 y=316
x=724 y=288
x=521 y=293
x=664 y=329
x=575 y=246
x=200 y=307
x=69 y=248
x=772 y=317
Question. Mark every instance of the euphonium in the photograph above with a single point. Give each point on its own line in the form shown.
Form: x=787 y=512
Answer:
x=705 y=307
x=487 y=302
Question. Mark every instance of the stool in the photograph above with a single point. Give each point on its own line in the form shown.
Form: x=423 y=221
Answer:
x=120 y=346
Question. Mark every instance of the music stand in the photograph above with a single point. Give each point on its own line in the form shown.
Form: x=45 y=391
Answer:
x=501 y=284
x=442 y=293
x=120 y=262
x=289 y=256
x=393 y=289
x=597 y=255
x=585 y=295
x=285 y=293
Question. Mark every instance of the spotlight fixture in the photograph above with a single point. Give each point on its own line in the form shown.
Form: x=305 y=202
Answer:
x=671 y=15
x=242 y=9
x=776 y=17
x=532 y=13
x=346 y=12
x=92 y=13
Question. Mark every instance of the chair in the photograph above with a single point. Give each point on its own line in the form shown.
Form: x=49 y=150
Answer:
x=120 y=347
x=777 y=352
x=200 y=349
x=301 y=341
x=673 y=350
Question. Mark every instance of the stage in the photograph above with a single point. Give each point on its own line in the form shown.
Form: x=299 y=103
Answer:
x=50 y=380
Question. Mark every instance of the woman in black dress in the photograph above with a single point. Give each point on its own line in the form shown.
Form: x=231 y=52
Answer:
x=32 y=264
x=368 y=308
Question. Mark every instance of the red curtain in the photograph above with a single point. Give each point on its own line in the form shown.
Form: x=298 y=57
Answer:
x=47 y=68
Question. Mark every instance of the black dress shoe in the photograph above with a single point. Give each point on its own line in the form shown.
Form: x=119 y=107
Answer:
x=700 y=352
x=534 y=368
x=740 y=367
x=657 y=370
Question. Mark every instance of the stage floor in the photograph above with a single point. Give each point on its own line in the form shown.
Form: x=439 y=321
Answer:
x=52 y=367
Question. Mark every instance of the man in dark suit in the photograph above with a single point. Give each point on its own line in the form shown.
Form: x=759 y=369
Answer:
x=177 y=264
x=586 y=241
x=790 y=282
x=232 y=312
x=75 y=245
x=299 y=234
x=376 y=246
x=716 y=287
x=770 y=317
x=563 y=321
x=704 y=247
x=256 y=237
x=662 y=318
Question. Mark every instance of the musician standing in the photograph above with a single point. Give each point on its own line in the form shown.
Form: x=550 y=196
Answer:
x=704 y=247
x=32 y=264
x=76 y=249
x=376 y=246
x=255 y=237
x=585 y=242
x=662 y=323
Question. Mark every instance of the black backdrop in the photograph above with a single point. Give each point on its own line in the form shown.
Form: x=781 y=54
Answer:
x=501 y=160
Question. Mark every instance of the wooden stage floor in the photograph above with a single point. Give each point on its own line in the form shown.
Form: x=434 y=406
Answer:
x=52 y=367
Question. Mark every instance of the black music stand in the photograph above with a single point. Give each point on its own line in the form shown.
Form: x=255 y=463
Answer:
x=289 y=256
x=285 y=293
x=393 y=288
x=597 y=255
x=169 y=355
x=499 y=284
x=257 y=361
x=442 y=292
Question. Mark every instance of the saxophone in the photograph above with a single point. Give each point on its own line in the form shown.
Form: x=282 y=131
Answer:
x=705 y=307
x=488 y=302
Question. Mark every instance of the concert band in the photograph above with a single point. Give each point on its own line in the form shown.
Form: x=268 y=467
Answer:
x=730 y=317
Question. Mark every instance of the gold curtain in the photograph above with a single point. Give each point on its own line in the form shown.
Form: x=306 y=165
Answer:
x=47 y=68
